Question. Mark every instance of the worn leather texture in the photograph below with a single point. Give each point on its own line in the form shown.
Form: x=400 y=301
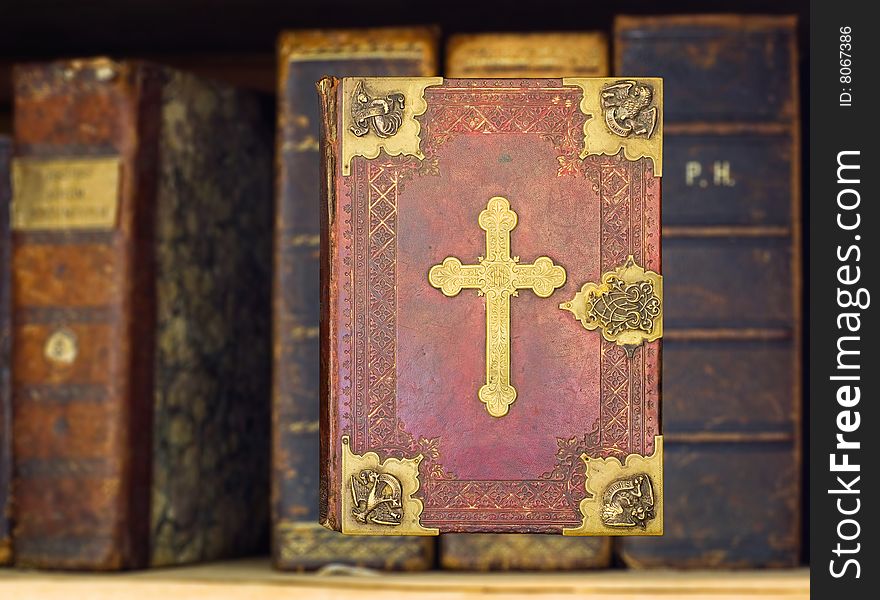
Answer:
x=732 y=258
x=150 y=446
x=82 y=431
x=522 y=552
x=304 y=57
x=570 y=54
x=404 y=361
x=5 y=349
x=732 y=68
x=708 y=482
x=525 y=55
x=213 y=253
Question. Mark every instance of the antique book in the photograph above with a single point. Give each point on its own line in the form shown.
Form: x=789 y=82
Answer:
x=299 y=542
x=523 y=55
x=529 y=403
x=5 y=349
x=522 y=552
x=141 y=216
x=731 y=227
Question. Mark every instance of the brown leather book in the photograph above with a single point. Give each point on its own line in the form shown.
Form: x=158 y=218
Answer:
x=299 y=542
x=731 y=222
x=529 y=403
x=525 y=55
x=554 y=54
x=5 y=349
x=141 y=266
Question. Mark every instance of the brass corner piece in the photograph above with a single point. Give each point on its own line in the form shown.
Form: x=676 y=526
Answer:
x=624 y=114
x=377 y=496
x=627 y=305
x=379 y=113
x=623 y=498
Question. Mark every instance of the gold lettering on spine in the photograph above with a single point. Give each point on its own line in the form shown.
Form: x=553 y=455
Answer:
x=378 y=496
x=69 y=193
x=721 y=176
x=497 y=276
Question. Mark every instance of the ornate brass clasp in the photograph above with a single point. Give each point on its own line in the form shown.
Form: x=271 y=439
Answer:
x=627 y=305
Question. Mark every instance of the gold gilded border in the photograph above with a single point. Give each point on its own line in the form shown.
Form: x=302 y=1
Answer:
x=599 y=138
x=623 y=498
x=406 y=138
x=377 y=496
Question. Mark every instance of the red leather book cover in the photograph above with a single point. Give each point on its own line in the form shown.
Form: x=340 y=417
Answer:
x=492 y=306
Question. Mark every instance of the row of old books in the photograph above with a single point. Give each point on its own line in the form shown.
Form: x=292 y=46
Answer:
x=159 y=401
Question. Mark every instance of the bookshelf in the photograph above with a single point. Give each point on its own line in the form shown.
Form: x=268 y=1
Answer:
x=253 y=579
x=233 y=40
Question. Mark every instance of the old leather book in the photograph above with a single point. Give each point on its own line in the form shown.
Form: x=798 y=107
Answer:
x=5 y=348
x=555 y=54
x=299 y=542
x=529 y=402
x=141 y=251
x=525 y=55
x=731 y=226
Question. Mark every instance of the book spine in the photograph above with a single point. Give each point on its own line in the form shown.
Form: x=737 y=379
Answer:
x=305 y=57
x=5 y=349
x=328 y=502
x=522 y=552
x=213 y=256
x=732 y=342
x=84 y=179
x=525 y=55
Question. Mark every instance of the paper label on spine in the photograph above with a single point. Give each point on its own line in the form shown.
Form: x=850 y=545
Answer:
x=65 y=193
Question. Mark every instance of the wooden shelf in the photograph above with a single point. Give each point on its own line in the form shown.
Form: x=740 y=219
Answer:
x=254 y=580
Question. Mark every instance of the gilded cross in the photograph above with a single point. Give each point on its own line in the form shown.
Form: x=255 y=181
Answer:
x=497 y=276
